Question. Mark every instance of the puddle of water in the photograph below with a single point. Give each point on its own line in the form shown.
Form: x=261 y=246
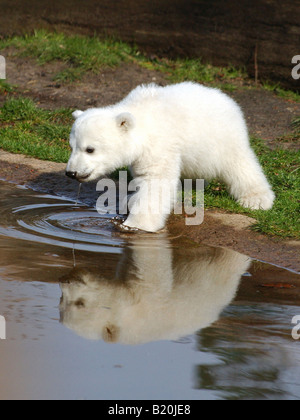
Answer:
x=94 y=314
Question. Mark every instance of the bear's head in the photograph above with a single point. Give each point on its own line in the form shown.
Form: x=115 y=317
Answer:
x=101 y=142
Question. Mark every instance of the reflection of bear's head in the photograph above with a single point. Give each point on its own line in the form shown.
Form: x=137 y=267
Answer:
x=90 y=305
x=157 y=293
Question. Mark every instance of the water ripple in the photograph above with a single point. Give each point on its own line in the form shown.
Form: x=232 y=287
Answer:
x=47 y=219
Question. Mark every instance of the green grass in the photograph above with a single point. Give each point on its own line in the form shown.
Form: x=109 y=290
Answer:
x=82 y=54
x=27 y=129
x=288 y=95
x=6 y=88
x=195 y=70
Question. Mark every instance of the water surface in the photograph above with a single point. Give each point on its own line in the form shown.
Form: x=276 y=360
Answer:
x=95 y=314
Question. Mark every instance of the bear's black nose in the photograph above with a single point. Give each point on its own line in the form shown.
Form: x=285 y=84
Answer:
x=72 y=175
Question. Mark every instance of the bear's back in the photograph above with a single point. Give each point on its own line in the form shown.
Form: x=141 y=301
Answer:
x=187 y=96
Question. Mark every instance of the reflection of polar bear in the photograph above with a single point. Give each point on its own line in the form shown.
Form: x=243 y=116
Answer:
x=157 y=293
x=185 y=130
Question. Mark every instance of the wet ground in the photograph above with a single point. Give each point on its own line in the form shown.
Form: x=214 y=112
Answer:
x=92 y=313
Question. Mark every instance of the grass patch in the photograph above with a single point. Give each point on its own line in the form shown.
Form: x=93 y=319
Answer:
x=27 y=129
x=195 y=70
x=288 y=95
x=82 y=54
x=6 y=88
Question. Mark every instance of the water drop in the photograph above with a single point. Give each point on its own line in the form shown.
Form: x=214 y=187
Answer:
x=78 y=195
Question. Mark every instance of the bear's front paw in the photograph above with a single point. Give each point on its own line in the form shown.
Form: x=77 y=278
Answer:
x=144 y=223
x=118 y=222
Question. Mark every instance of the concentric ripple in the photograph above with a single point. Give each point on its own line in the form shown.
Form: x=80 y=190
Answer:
x=39 y=218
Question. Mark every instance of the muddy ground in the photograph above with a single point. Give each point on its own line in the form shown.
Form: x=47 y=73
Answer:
x=268 y=117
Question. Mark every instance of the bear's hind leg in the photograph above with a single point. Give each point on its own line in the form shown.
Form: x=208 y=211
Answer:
x=248 y=184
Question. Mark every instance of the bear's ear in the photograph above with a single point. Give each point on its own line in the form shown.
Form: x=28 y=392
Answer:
x=77 y=114
x=125 y=121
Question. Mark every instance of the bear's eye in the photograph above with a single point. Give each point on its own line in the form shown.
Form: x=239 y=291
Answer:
x=90 y=150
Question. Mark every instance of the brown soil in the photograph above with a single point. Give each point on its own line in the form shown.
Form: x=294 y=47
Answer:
x=268 y=117
x=110 y=86
x=237 y=235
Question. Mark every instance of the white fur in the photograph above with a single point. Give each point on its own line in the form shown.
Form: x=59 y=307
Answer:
x=185 y=130
x=156 y=293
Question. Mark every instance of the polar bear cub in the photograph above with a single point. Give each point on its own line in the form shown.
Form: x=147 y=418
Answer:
x=184 y=130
